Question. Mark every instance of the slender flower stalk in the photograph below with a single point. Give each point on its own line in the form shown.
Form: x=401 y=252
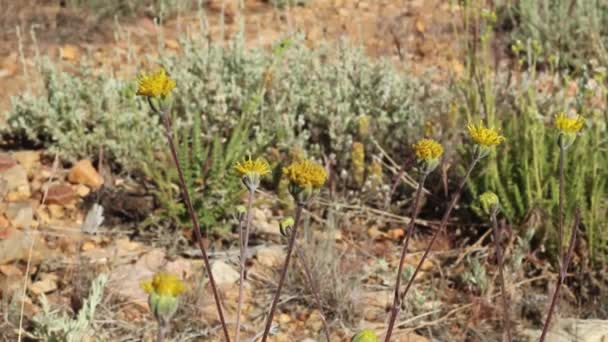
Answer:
x=562 y=275
x=443 y=224
x=484 y=138
x=428 y=153
x=277 y=295
x=305 y=179
x=568 y=128
x=251 y=171
x=491 y=205
x=157 y=87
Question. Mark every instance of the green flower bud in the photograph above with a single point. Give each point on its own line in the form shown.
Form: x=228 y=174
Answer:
x=489 y=202
x=365 y=336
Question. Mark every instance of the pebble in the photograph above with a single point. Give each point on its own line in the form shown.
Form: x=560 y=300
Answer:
x=84 y=173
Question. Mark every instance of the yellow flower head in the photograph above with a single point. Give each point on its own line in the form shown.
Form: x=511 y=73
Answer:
x=306 y=174
x=483 y=135
x=164 y=284
x=427 y=149
x=569 y=125
x=156 y=84
x=250 y=166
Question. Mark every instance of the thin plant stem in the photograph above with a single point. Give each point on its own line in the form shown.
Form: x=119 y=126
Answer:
x=277 y=295
x=244 y=241
x=312 y=284
x=160 y=335
x=196 y=226
x=444 y=222
x=499 y=259
x=560 y=222
x=562 y=276
x=410 y=229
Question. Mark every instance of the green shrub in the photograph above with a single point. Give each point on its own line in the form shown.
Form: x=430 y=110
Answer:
x=524 y=172
x=79 y=115
x=570 y=33
x=289 y=98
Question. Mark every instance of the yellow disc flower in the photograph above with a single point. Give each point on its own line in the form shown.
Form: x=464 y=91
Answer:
x=251 y=170
x=164 y=284
x=484 y=136
x=250 y=166
x=164 y=289
x=306 y=174
x=156 y=84
x=427 y=149
x=569 y=125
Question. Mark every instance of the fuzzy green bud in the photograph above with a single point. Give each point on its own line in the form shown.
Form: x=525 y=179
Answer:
x=365 y=336
x=489 y=202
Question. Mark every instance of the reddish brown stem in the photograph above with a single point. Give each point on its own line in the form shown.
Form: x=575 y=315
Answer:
x=444 y=222
x=410 y=229
x=562 y=275
x=499 y=260
x=277 y=295
x=196 y=226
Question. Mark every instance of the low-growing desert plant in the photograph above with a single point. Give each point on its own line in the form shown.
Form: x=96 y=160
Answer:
x=570 y=33
x=53 y=325
x=78 y=115
x=523 y=104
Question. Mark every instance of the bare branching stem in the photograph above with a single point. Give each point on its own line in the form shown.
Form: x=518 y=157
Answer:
x=196 y=226
x=564 y=263
x=499 y=259
x=410 y=229
x=444 y=222
x=277 y=295
x=244 y=243
x=312 y=284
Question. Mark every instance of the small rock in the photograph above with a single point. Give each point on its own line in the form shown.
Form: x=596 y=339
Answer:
x=46 y=285
x=396 y=233
x=82 y=190
x=224 y=274
x=16 y=182
x=315 y=321
x=262 y=224
x=84 y=173
x=4 y=223
x=61 y=194
x=28 y=159
x=20 y=214
x=68 y=52
x=87 y=246
x=271 y=256
x=284 y=318
x=6 y=162
x=11 y=270
x=56 y=212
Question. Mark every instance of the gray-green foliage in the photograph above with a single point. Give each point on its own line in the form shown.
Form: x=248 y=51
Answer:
x=54 y=326
x=295 y=96
x=290 y=96
x=570 y=32
x=79 y=115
